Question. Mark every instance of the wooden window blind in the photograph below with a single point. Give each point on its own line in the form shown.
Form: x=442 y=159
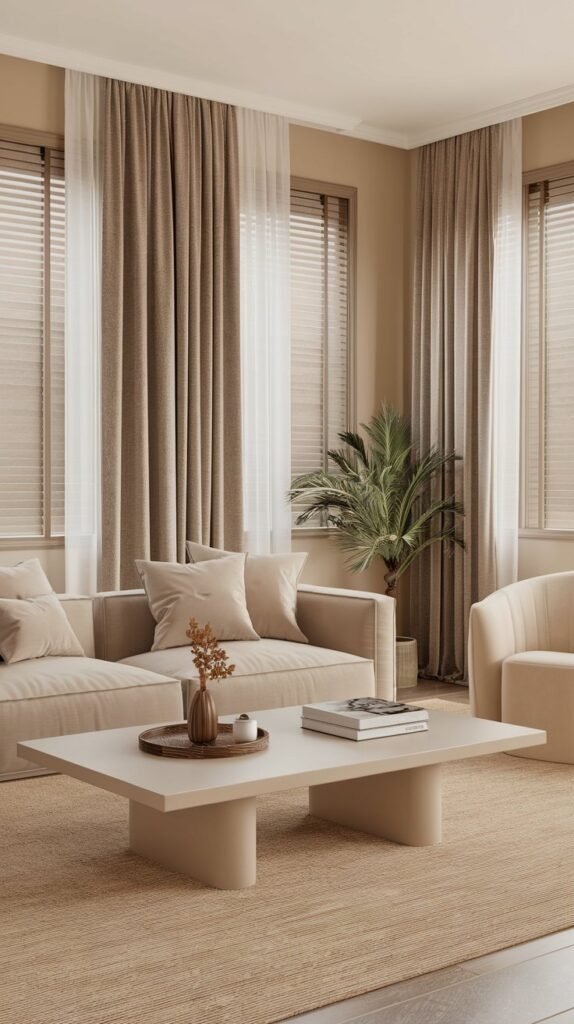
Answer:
x=32 y=239
x=548 y=376
x=321 y=280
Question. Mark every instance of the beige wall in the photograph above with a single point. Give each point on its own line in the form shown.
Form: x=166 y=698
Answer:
x=31 y=95
x=547 y=138
x=381 y=175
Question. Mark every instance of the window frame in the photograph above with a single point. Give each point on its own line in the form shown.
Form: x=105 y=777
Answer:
x=350 y=193
x=48 y=141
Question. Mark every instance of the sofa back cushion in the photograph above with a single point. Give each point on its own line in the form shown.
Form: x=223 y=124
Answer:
x=211 y=592
x=270 y=588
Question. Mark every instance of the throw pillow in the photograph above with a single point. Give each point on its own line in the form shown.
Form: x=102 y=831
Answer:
x=271 y=589
x=27 y=579
x=211 y=592
x=36 y=627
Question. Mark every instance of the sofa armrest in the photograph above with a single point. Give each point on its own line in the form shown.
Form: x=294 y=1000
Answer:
x=123 y=624
x=353 y=621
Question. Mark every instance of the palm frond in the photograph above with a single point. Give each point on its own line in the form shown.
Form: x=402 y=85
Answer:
x=390 y=436
x=355 y=442
x=385 y=500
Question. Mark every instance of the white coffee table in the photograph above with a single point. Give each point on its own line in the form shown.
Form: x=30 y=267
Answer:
x=199 y=817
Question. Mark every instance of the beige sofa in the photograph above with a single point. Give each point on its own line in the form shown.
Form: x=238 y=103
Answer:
x=52 y=696
x=351 y=650
x=351 y=653
x=521 y=660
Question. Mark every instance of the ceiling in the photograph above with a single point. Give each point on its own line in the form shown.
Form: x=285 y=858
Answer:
x=404 y=72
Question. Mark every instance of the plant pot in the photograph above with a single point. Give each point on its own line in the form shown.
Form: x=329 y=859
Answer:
x=407 y=662
x=202 y=718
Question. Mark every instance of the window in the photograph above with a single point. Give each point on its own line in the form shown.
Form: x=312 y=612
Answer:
x=32 y=236
x=322 y=277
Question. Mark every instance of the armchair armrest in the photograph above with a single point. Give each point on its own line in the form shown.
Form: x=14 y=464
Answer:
x=353 y=621
x=492 y=638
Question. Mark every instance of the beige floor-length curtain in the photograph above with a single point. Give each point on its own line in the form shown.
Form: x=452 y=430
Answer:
x=171 y=375
x=458 y=222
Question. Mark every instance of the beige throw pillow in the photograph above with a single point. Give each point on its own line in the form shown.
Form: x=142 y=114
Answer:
x=36 y=627
x=212 y=592
x=271 y=589
x=27 y=579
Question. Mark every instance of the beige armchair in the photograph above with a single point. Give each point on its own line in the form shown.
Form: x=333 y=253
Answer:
x=521 y=660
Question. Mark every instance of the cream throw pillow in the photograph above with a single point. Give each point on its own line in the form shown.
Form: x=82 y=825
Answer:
x=212 y=592
x=27 y=579
x=36 y=627
x=271 y=589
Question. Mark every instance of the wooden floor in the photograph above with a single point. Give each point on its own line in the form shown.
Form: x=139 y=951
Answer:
x=527 y=984
x=430 y=688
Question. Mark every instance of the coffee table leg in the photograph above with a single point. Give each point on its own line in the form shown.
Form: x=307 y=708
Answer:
x=215 y=844
x=402 y=806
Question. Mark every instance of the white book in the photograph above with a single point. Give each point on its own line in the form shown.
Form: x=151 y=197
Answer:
x=362 y=734
x=388 y=713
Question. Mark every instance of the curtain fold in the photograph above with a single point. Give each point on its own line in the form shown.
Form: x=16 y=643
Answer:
x=506 y=344
x=264 y=176
x=466 y=379
x=171 y=394
x=83 y=97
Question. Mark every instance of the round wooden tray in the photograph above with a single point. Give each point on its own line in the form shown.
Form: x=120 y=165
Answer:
x=173 y=741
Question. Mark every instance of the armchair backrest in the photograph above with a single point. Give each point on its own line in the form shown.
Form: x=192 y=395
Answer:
x=532 y=615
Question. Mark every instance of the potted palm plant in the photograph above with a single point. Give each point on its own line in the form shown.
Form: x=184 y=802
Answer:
x=378 y=497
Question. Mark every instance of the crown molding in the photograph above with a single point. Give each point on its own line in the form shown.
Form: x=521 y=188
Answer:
x=301 y=114
x=495 y=115
x=364 y=132
x=369 y=133
x=78 y=60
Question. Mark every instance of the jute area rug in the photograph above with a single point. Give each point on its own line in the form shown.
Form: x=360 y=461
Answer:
x=91 y=934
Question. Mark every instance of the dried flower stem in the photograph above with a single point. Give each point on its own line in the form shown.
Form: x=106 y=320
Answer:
x=208 y=658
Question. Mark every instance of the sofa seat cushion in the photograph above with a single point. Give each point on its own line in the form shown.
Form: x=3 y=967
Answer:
x=270 y=674
x=57 y=696
x=538 y=692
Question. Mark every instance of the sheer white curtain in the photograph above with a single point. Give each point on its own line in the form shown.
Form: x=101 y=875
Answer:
x=83 y=314
x=506 y=342
x=264 y=191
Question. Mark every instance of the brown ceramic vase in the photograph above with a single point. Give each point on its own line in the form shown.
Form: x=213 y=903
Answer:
x=202 y=718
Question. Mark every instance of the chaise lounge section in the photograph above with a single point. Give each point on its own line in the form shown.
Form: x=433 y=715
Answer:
x=54 y=696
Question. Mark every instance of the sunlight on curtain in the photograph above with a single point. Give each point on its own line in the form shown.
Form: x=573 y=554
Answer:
x=265 y=329
x=83 y=329
x=506 y=318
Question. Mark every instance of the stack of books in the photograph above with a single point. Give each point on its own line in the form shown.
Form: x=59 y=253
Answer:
x=364 y=718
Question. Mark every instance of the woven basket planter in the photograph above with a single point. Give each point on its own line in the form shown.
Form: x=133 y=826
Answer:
x=407 y=662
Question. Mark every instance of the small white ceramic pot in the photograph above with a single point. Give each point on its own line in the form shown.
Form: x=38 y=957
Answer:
x=244 y=729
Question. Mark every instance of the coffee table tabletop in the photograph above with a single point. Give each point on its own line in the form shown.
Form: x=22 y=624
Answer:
x=111 y=759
